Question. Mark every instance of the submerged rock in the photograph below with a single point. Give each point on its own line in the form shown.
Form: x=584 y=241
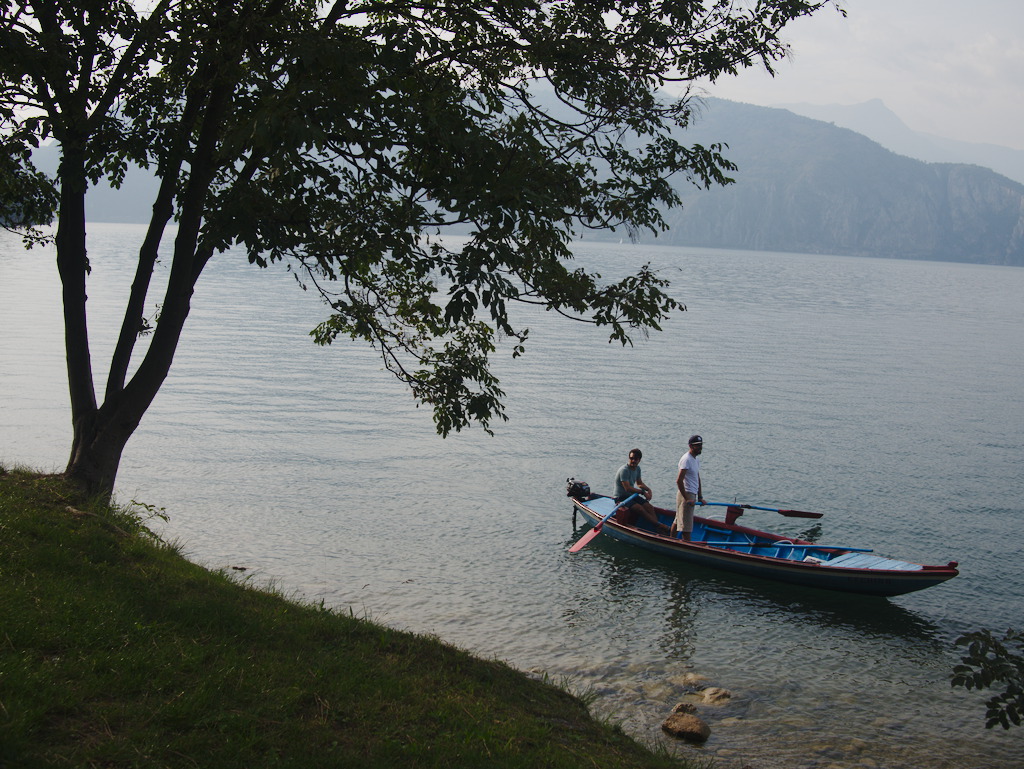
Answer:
x=715 y=695
x=692 y=682
x=685 y=707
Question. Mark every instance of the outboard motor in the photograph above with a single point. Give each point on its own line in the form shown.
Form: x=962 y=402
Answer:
x=577 y=489
x=732 y=512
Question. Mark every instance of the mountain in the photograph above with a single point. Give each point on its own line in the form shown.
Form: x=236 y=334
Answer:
x=803 y=185
x=876 y=121
x=812 y=187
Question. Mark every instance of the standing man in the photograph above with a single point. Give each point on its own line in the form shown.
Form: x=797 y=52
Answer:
x=689 y=488
x=628 y=482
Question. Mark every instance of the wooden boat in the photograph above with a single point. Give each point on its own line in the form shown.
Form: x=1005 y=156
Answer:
x=729 y=546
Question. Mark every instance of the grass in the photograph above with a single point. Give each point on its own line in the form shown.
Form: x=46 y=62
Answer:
x=116 y=651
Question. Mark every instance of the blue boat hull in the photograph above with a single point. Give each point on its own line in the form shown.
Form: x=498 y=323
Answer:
x=764 y=555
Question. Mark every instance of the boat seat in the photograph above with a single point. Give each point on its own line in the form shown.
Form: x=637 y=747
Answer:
x=868 y=561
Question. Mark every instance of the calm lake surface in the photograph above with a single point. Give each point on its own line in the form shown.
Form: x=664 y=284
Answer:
x=887 y=394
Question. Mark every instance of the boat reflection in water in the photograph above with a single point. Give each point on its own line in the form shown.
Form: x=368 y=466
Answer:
x=628 y=576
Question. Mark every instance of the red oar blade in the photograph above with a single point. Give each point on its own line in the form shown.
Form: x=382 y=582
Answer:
x=583 y=541
x=799 y=514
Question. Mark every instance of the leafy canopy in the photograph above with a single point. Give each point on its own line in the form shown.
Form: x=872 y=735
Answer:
x=346 y=138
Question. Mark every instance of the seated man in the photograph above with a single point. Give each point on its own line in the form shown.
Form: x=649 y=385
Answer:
x=628 y=482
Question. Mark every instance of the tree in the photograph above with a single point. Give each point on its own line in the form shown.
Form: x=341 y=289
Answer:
x=340 y=138
x=989 y=662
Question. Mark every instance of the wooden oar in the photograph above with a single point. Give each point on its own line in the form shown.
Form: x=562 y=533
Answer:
x=787 y=513
x=730 y=543
x=585 y=539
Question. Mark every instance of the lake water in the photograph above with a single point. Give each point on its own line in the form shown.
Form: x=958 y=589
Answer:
x=886 y=394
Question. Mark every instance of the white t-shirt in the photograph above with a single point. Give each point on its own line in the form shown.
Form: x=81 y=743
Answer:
x=690 y=466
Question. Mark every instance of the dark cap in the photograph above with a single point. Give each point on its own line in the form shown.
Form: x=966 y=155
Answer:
x=695 y=439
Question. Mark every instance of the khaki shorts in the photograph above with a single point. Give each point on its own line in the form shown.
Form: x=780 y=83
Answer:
x=685 y=503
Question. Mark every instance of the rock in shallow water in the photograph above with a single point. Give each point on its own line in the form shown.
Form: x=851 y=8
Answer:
x=686 y=726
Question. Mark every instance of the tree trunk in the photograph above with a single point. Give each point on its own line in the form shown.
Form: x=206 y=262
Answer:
x=96 y=452
x=93 y=462
x=100 y=434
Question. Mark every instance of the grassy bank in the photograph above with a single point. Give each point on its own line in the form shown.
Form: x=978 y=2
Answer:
x=115 y=651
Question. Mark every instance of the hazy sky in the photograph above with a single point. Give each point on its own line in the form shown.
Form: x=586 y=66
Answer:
x=952 y=68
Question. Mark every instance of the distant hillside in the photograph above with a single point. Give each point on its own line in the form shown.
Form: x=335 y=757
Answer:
x=876 y=121
x=803 y=185
x=811 y=187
